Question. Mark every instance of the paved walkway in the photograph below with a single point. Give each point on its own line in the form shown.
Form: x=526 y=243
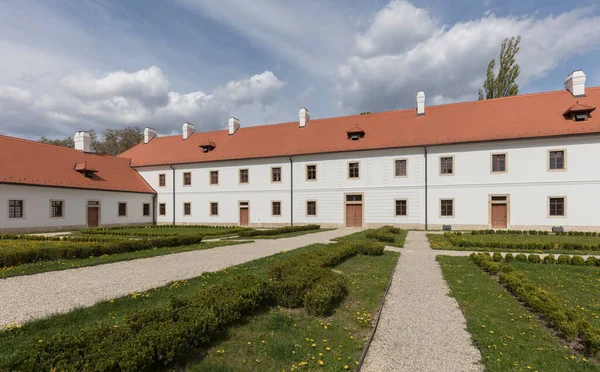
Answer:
x=421 y=327
x=24 y=298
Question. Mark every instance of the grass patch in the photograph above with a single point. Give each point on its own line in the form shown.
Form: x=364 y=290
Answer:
x=65 y=264
x=399 y=236
x=509 y=337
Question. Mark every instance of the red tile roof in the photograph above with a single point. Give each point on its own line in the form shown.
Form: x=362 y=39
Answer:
x=34 y=163
x=578 y=107
x=524 y=116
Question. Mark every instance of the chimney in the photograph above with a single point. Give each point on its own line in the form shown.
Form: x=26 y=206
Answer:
x=420 y=103
x=304 y=116
x=575 y=83
x=83 y=141
x=149 y=134
x=234 y=125
x=188 y=130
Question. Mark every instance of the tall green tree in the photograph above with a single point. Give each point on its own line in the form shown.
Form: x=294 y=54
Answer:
x=504 y=84
x=66 y=142
x=114 y=141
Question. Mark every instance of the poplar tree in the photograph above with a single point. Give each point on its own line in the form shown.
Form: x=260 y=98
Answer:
x=504 y=84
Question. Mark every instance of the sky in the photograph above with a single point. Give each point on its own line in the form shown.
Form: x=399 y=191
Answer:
x=74 y=65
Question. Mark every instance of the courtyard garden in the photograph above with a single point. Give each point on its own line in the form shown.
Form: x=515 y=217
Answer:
x=388 y=235
x=310 y=308
x=528 y=313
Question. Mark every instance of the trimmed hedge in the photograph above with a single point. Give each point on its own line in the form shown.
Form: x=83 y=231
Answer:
x=325 y=295
x=18 y=252
x=566 y=320
x=387 y=234
x=534 y=232
x=247 y=233
x=114 y=231
x=457 y=240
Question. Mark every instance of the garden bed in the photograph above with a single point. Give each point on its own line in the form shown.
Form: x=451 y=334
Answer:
x=388 y=235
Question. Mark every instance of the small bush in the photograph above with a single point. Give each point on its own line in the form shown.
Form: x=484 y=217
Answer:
x=247 y=233
x=324 y=296
x=509 y=257
x=534 y=258
x=577 y=261
x=521 y=257
x=591 y=261
x=549 y=259
x=564 y=259
x=497 y=257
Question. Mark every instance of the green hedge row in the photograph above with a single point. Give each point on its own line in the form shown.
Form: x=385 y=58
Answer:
x=566 y=320
x=550 y=259
x=18 y=252
x=153 y=338
x=68 y=238
x=114 y=231
x=387 y=234
x=458 y=241
x=533 y=232
x=280 y=230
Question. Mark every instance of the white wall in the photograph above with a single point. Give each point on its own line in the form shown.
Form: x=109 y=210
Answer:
x=37 y=207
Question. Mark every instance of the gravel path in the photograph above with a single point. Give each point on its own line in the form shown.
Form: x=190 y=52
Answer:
x=421 y=326
x=30 y=297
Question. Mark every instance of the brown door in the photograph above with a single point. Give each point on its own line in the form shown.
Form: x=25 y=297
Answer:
x=353 y=215
x=499 y=219
x=243 y=216
x=92 y=216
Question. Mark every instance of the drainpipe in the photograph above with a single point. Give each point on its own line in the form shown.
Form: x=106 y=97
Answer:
x=291 y=192
x=426 y=208
x=173 y=193
x=154 y=209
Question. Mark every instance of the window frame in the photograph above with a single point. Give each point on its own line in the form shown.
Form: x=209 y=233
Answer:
x=564 y=206
x=164 y=177
x=210 y=208
x=564 y=159
x=280 y=174
x=273 y=208
x=453 y=165
x=189 y=205
x=119 y=215
x=453 y=208
x=396 y=208
x=183 y=179
x=160 y=209
x=247 y=176
x=306 y=172
x=348 y=169
x=22 y=207
x=492 y=162
x=306 y=208
x=405 y=168
x=210 y=173
x=143 y=210
x=62 y=209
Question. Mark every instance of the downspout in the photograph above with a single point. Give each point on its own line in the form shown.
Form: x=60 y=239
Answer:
x=291 y=192
x=154 y=209
x=426 y=208
x=173 y=193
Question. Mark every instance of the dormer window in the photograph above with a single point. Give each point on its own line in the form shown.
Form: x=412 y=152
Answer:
x=579 y=112
x=207 y=146
x=85 y=169
x=355 y=133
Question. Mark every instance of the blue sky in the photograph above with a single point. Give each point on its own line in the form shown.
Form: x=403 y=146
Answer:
x=72 y=65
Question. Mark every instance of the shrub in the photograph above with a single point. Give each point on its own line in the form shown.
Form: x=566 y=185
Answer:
x=564 y=259
x=509 y=257
x=549 y=259
x=247 y=233
x=534 y=258
x=591 y=261
x=324 y=296
x=382 y=236
x=577 y=261
x=521 y=257
x=497 y=257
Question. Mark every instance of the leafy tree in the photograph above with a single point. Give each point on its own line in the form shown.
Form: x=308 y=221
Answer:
x=503 y=84
x=114 y=141
x=66 y=142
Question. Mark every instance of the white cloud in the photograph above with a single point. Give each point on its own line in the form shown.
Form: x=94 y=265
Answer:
x=260 y=88
x=388 y=67
x=14 y=94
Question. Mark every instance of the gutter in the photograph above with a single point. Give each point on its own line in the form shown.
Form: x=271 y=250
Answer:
x=291 y=192
x=426 y=192
x=171 y=165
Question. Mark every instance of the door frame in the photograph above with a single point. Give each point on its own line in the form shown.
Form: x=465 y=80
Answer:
x=362 y=203
x=240 y=211
x=87 y=222
x=505 y=202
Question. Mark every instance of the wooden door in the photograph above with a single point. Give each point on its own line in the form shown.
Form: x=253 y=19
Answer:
x=353 y=215
x=499 y=216
x=244 y=216
x=92 y=216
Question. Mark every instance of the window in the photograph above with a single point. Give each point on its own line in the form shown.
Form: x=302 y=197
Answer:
x=557 y=160
x=122 y=209
x=400 y=207
x=447 y=165
x=56 y=208
x=162 y=209
x=276 y=174
x=243 y=175
x=447 y=208
x=146 y=209
x=400 y=167
x=353 y=170
x=580 y=116
x=311 y=208
x=214 y=209
x=187 y=209
x=311 y=172
x=557 y=207
x=162 y=180
x=187 y=179
x=276 y=208
x=214 y=177
x=498 y=163
x=354 y=198
x=15 y=209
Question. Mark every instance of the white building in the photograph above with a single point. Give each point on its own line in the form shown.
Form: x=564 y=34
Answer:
x=523 y=162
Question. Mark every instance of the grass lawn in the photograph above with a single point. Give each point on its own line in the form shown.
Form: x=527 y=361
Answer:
x=362 y=235
x=368 y=274
x=578 y=286
x=64 y=264
x=509 y=337
x=439 y=241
